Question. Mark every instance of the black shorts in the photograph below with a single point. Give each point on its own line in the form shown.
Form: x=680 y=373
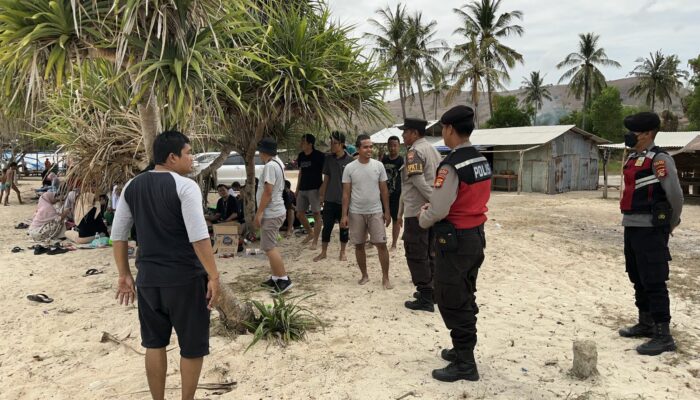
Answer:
x=394 y=206
x=181 y=307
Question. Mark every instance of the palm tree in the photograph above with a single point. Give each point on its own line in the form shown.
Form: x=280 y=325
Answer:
x=480 y=19
x=422 y=51
x=659 y=78
x=437 y=85
x=585 y=76
x=535 y=92
x=471 y=69
x=390 y=44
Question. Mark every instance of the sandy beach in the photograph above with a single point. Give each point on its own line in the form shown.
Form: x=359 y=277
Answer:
x=554 y=273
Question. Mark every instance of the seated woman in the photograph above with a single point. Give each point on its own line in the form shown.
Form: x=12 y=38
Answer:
x=47 y=223
x=91 y=225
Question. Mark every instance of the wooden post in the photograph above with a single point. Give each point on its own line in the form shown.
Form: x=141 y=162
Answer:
x=520 y=172
x=606 y=154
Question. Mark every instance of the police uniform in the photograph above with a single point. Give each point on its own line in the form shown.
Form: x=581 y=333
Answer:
x=457 y=213
x=417 y=178
x=651 y=205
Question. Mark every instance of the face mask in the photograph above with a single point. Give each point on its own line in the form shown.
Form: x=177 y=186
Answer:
x=630 y=139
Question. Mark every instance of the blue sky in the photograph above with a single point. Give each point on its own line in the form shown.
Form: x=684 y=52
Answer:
x=628 y=29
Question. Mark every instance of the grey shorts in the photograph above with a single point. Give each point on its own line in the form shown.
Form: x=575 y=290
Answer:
x=269 y=231
x=309 y=198
x=362 y=224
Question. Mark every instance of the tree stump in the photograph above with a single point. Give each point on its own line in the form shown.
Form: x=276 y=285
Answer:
x=585 y=359
x=233 y=313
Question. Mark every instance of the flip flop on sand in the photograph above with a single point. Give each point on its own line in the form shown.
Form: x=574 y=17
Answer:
x=21 y=225
x=17 y=249
x=40 y=298
x=57 y=250
x=39 y=249
x=92 y=271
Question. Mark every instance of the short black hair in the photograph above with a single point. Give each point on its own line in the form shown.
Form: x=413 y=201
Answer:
x=220 y=185
x=360 y=138
x=104 y=197
x=12 y=164
x=287 y=184
x=338 y=136
x=236 y=185
x=168 y=142
x=309 y=138
x=393 y=138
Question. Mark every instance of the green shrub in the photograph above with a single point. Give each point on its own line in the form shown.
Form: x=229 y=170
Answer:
x=282 y=321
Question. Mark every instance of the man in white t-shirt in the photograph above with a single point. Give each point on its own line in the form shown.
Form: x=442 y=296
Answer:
x=366 y=207
x=271 y=214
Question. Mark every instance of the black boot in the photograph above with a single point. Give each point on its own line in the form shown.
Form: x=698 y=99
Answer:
x=422 y=303
x=643 y=328
x=464 y=367
x=449 y=355
x=660 y=342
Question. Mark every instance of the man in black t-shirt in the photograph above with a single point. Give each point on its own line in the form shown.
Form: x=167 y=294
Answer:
x=227 y=207
x=393 y=162
x=310 y=162
x=177 y=277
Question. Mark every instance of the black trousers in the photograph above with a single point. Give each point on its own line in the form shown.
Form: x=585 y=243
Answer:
x=332 y=213
x=455 y=286
x=419 y=245
x=646 y=263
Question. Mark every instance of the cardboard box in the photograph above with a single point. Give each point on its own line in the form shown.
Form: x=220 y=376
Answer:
x=226 y=238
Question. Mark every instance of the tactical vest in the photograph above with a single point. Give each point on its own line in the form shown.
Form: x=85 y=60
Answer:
x=474 y=173
x=642 y=188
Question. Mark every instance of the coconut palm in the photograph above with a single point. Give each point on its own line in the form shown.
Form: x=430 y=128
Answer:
x=422 y=51
x=535 y=92
x=585 y=77
x=472 y=69
x=659 y=78
x=391 y=43
x=437 y=85
x=480 y=19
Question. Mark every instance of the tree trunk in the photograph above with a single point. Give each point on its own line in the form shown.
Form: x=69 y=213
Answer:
x=208 y=174
x=475 y=101
x=249 y=201
x=653 y=98
x=489 y=88
x=402 y=96
x=233 y=313
x=435 y=104
x=420 y=97
x=150 y=123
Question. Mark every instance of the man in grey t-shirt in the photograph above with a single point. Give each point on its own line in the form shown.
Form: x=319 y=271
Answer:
x=331 y=194
x=365 y=195
x=271 y=214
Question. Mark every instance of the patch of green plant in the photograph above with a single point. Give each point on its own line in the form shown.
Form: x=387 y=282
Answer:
x=283 y=321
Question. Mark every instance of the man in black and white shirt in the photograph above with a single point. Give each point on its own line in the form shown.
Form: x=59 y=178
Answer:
x=177 y=280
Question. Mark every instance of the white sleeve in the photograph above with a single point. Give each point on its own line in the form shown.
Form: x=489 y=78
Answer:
x=347 y=171
x=382 y=172
x=123 y=219
x=192 y=211
x=269 y=175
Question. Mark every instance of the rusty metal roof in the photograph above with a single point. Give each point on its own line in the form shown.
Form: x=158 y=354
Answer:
x=524 y=135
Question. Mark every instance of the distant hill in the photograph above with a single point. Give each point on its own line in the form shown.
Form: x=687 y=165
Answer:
x=562 y=104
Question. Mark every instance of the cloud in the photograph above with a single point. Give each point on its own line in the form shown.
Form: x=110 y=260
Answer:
x=628 y=30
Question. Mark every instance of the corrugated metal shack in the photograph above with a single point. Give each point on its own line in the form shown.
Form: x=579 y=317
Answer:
x=544 y=159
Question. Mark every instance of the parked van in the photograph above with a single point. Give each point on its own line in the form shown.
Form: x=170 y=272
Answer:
x=232 y=170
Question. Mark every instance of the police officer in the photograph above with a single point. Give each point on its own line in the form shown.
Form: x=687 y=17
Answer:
x=417 y=178
x=457 y=212
x=651 y=206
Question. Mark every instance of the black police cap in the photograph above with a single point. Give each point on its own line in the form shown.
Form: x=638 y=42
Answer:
x=458 y=115
x=643 y=122
x=414 y=123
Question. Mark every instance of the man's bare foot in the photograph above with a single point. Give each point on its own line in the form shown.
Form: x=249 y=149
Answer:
x=364 y=280
x=342 y=257
x=307 y=239
x=387 y=285
x=320 y=257
x=393 y=248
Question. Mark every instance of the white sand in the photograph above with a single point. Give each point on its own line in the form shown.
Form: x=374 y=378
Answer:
x=553 y=273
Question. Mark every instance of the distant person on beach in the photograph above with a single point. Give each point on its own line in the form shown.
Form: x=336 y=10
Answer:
x=227 y=207
x=310 y=162
x=365 y=195
x=290 y=202
x=177 y=280
x=651 y=204
x=9 y=181
x=331 y=194
x=457 y=213
x=393 y=163
x=271 y=214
